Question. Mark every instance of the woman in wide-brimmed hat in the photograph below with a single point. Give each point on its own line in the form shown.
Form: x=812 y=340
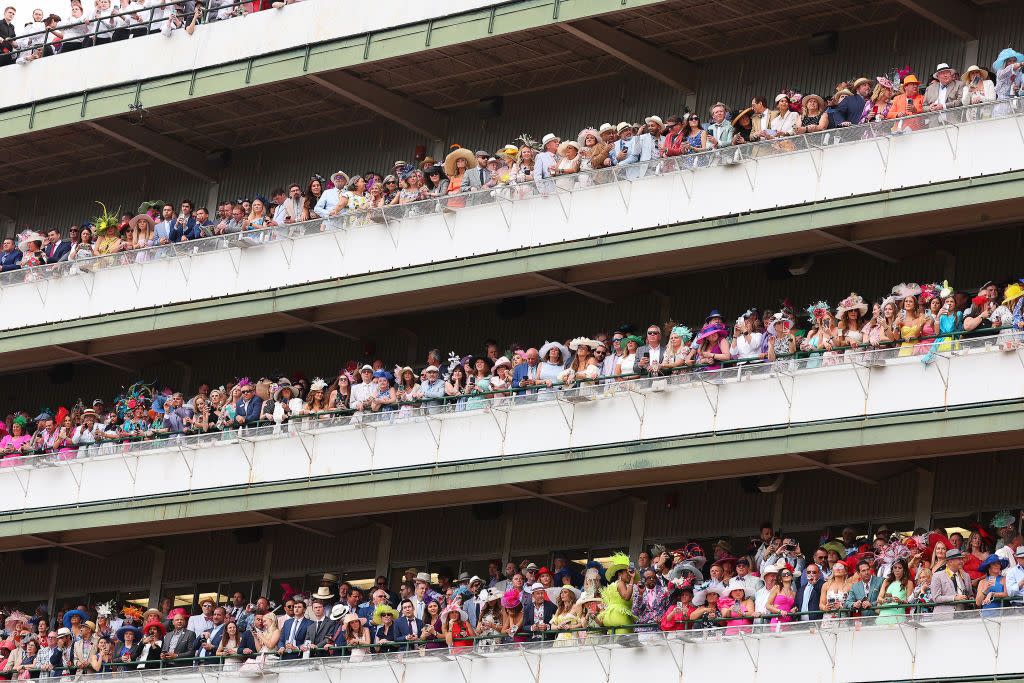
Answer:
x=455 y=166
x=480 y=382
x=881 y=98
x=850 y=327
x=712 y=346
x=569 y=157
x=814 y=117
x=553 y=357
x=979 y=88
x=625 y=366
x=1007 y=68
x=992 y=589
x=583 y=365
x=737 y=606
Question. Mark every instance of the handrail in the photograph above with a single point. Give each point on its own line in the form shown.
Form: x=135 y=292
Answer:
x=960 y=341
x=582 y=181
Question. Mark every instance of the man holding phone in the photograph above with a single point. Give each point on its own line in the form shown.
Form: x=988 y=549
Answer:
x=650 y=354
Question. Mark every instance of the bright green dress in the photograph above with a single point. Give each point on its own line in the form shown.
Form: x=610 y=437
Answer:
x=896 y=613
x=617 y=611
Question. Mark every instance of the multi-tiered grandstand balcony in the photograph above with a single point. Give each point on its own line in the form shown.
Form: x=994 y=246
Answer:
x=612 y=338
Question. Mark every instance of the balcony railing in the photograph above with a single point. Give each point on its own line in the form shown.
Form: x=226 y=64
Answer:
x=970 y=645
x=747 y=397
x=929 y=148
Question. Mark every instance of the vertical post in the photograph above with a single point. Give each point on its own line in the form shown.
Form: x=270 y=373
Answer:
x=970 y=53
x=212 y=195
x=637 y=527
x=777 y=511
x=268 y=557
x=384 y=535
x=923 y=498
x=156 y=579
x=51 y=592
x=510 y=525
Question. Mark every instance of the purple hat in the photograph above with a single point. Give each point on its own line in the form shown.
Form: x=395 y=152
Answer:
x=710 y=329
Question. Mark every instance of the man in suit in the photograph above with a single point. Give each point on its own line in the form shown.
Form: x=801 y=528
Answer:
x=322 y=626
x=295 y=633
x=851 y=110
x=808 y=599
x=526 y=374
x=407 y=627
x=537 y=613
x=209 y=639
x=85 y=647
x=652 y=352
x=947 y=93
x=951 y=584
x=247 y=410
x=10 y=257
x=864 y=594
x=56 y=249
x=179 y=643
x=475 y=178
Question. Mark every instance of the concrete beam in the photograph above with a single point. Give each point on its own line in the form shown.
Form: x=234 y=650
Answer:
x=673 y=71
x=955 y=16
x=172 y=153
x=412 y=115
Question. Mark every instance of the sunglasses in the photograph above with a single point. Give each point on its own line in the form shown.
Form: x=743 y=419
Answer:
x=652 y=332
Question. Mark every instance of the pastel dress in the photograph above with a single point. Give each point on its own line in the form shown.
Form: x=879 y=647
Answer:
x=479 y=400
x=618 y=611
x=948 y=324
x=927 y=330
x=566 y=622
x=735 y=625
x=784 y=603
x=836 y=596
x=896 y=613
x=907 y=334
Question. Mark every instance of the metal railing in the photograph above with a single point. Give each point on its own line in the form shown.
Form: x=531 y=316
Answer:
x=564 y=395
x=104 y=28
x=561 y=188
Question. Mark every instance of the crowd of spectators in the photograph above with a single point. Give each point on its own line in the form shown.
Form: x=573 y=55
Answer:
x=911 y=321
x=881 y=577
x=109 y=21
x=527 y=166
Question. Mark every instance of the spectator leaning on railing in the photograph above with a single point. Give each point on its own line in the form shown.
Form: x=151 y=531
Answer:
x=912 y=322
x=878 y=578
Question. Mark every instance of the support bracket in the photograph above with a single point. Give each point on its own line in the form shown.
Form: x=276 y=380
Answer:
x=952 y=131
x=993 y=639
x=830 y=651
x=902 y=626
x=562 y=404
x=705 y=383
x=465 y=674
x=506 y=206
x=502 y=429
x=607 y=668
x=534 y=671
x=135 y=270
x=391 y=665
x=753 y=652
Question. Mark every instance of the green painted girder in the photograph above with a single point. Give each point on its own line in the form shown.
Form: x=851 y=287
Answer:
x=833 y=435
x=638 y=243
x=456 y=29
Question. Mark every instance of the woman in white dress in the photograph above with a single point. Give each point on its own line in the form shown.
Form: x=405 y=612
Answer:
x=553 y=356
x=627 y=358
x=746 y=343
x=783 y=120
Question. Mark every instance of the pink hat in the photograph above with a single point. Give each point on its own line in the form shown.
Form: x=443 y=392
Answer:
x=510 y=599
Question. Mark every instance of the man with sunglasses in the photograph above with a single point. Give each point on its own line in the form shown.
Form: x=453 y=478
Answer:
x=650 y=354
x=247 y=410
x=605 y=362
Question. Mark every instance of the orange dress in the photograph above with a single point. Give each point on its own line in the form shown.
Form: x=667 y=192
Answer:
x=455 y=200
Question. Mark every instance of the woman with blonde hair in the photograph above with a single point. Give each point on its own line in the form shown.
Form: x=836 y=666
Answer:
x=568 y=615
x=881 y=99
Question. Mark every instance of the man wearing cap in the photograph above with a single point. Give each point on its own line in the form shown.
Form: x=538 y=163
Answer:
x=947 y=92
x=432 y=388
x=648 y=145
x=61 y=658
x=546 y=164
x=475 y=178
x=537 y=613
x=364 y=390
x=854 y=109
x=623 y=147
x=951 y=584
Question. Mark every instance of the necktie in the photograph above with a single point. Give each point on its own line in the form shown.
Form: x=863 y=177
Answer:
x=412 y=627
x=295 y=627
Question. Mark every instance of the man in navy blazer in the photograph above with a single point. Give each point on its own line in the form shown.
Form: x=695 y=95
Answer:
x=808 y=597
x=247 y=410
x=850 y=111
x=408 y=628
x=537 y=614
x=55 y=248
x=294 y=633
x=527 y=370
x=10 y=257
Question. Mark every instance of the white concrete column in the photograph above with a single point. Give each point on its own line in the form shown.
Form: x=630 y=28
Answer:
x=637 y=527
x=970 y=54
x=384 y=536
x=212 y=195
x=506 y=544
x=268 y=558
x=51 y=591
x=923 y=498
x=156 y=579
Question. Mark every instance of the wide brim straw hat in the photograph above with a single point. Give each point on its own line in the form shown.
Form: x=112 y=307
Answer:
x=582 y=139
x=746 y=112
x=460 y=153
x=817 y=98
x=564 y=147
x=553 y=345
x=974 y=68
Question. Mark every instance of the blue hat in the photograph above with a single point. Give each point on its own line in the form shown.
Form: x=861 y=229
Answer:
x=70 y=613
x=713 y=314
x=991 y=560
x=1007 y=53
x=119 y=634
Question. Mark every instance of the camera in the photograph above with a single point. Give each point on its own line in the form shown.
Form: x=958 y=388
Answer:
x=789 y=547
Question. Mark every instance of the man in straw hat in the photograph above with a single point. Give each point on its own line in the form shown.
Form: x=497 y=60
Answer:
x=332 y=203
x=546 y=164
x=947 y=92
x=854 y=109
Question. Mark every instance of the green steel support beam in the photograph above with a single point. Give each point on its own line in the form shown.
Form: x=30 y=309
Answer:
x=317 y=58
x=958 y=17
x=857 y=436
x=402 y=111
x=673 y=71
x=632 y=245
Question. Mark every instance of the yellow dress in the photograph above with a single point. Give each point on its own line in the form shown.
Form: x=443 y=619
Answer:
x=565 y=622
x=907 y=333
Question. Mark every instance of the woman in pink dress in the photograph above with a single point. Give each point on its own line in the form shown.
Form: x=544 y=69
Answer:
x=737 y=608
x=782 y=599
x=11 y=444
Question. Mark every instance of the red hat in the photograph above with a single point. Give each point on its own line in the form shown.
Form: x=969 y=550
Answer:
x=155 y=622
x=544 y=570
x=979 y=300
